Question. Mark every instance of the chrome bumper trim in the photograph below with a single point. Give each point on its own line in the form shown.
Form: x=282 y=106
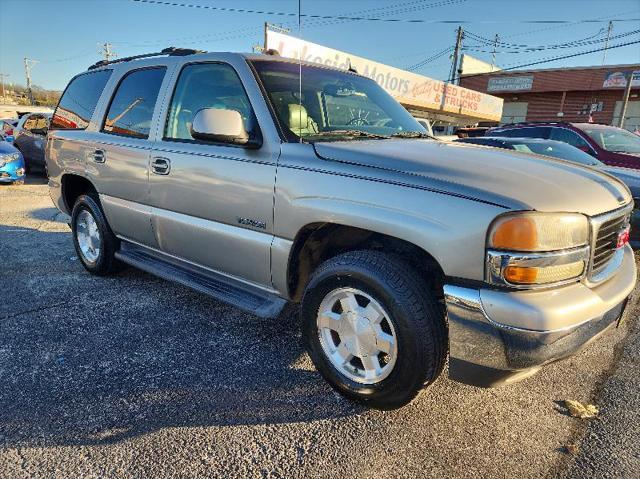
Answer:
x=485 y=353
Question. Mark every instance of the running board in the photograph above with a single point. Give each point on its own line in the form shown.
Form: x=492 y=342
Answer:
x=243 y=296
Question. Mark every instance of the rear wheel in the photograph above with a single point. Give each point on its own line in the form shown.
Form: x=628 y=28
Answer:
x=373 y=328
x=94 y=241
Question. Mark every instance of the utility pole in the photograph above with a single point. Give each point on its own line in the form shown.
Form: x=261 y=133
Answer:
x=2 y=77
x=28 y=63
x=456 y=53
x=106 y=51
x=275 y=28
x=493 y=54
x=606 y=42
x=625 y=102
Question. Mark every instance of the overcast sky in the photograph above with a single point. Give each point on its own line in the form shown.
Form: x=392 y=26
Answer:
x=63 y=35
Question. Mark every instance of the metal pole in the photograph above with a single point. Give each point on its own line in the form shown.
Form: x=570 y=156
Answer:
x=627 y=92
x=606 y=42
x=266 y=26
x=493 y=54
x=27 y=72
x=2 y=76
x=106 y=51
x=456 y=54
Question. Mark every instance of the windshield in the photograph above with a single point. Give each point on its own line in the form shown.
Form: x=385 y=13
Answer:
x=614 y=139
x=556 y=149
x=334 y=105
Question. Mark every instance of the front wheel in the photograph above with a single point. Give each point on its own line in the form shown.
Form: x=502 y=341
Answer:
x=373 y=328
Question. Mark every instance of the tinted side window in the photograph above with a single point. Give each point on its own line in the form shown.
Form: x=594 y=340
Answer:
x=568 y=136
x=206 y=85
x=79 y=101
x=531 y=132
x=133 y=102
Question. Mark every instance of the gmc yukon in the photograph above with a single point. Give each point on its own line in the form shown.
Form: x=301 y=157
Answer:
x=236 y=176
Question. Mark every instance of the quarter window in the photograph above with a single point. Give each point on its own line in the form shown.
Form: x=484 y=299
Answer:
x=206 y=85
x=75 y=109
x=133 y=103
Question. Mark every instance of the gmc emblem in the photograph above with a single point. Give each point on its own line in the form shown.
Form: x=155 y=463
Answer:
x=623 y=237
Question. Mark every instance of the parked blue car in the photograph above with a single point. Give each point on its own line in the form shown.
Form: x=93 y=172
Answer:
x=11 y=163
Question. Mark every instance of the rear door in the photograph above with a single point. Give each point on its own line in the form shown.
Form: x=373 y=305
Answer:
x=38 y=139
x=213 y=203
x=118 y=165
x=24 y=140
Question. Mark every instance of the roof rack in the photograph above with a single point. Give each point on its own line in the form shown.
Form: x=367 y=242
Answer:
x=171 y=51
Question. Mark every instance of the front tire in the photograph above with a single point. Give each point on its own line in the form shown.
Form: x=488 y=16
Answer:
x=93 y=239
x=373 y=328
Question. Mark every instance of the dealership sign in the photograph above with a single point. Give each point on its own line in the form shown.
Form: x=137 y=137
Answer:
x=619 y=79
x=410 y=89
x=517 y=83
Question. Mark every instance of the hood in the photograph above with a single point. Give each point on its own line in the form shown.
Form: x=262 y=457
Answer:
x=505 y=177
x=628 y=176
x=7 y=148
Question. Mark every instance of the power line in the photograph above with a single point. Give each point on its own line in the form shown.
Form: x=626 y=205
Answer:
x=555 y=47
x=488 y=41
x=434 y=57
x=374 y=19
x=563 y=57
x=553 y=27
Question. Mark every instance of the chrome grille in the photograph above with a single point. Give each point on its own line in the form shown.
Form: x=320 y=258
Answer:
x=606 y=229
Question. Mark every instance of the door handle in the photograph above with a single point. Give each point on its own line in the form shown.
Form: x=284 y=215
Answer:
x=160 y=166
x=99 y=156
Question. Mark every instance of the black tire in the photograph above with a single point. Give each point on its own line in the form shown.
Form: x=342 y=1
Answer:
x=106 y=263
x=418 y=319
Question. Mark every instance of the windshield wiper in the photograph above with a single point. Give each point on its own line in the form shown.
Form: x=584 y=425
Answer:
x=349 y=134
x=413 y=134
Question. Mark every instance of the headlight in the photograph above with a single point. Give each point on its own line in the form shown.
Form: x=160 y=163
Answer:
x=4 y=159
x=530 y=248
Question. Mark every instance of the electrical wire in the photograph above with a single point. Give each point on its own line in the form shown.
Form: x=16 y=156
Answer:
x=374 y=19
x=422 y=63
x=552 y=59
x=475 y=48
x=489 y=42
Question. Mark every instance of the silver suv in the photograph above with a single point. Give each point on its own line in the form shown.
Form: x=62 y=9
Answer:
x=233 y=175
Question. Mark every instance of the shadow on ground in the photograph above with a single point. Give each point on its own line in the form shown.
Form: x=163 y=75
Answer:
x=88 y=360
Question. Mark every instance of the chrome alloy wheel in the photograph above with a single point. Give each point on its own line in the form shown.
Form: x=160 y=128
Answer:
x=88 y=236
x=357 y=335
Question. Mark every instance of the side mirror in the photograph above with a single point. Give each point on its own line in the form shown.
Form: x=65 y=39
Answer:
x=39 y=131
x=221 y=126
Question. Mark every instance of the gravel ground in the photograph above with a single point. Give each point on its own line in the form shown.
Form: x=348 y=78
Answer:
x=132 y=376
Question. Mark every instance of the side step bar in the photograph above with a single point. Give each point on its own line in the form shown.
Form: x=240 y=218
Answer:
x=243 y=296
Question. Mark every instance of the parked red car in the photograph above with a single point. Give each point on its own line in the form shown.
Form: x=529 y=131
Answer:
x=609 y=144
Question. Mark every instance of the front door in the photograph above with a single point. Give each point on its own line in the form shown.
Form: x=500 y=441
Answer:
x=212 y=204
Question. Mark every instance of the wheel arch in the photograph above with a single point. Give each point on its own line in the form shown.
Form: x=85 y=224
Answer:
x=73 y=186
x=317 y=242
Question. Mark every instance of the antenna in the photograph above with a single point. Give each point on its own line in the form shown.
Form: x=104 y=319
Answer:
x=300 y=70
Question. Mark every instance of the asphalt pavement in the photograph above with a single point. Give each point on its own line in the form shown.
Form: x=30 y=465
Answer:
x=132 y=376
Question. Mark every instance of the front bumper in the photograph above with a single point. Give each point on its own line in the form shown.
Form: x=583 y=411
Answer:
x=12 y=171
x=503 y=336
